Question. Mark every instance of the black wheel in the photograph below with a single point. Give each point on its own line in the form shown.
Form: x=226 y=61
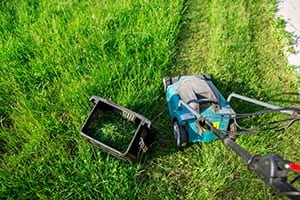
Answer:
x=180 y=135
x=166 y=81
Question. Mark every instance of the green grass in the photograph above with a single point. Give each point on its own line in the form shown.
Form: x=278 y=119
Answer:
x=55 y=55
x=111 y=129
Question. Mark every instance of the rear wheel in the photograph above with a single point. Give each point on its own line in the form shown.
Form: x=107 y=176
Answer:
x=166 y=81
x=180 y=135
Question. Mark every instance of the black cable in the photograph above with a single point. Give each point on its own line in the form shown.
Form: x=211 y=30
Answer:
x=291 y=120
x=295 y=179
x=245 y=131
x=239 y=116
x=244 y=115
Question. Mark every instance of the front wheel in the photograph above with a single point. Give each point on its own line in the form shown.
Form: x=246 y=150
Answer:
x=180 y=135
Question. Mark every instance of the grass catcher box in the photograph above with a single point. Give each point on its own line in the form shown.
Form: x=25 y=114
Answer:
x=117 y=130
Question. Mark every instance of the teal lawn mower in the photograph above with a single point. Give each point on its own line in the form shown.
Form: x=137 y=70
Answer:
x=200 y=113
x=189 y=96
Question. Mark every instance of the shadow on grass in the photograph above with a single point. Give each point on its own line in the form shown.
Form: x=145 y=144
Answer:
x=161 y=126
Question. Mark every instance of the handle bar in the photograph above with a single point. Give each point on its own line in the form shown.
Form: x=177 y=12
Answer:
x=271 y=168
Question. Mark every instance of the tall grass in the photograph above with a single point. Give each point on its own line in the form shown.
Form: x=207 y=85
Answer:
x=55 y=54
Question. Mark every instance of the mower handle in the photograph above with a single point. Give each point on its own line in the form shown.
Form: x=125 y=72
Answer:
x=287 y=189
x=203 y=101
x=273 y=170
x=258 y=102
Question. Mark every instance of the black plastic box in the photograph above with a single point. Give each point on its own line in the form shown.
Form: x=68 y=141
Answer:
x=102 y=127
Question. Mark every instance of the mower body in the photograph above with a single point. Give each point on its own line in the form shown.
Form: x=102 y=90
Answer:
x=192 y=94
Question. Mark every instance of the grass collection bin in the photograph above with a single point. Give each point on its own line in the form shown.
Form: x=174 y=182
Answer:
x=117 y=130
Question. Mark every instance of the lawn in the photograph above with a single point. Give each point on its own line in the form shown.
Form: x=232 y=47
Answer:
x=54 y=55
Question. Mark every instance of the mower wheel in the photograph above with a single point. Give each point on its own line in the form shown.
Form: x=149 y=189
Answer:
x=180 y=135
x=166 y=81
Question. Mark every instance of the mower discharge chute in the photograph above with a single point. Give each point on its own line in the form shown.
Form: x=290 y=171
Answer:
x=200 y=113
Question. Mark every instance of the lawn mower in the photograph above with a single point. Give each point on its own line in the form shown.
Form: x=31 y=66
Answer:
x=200 y=113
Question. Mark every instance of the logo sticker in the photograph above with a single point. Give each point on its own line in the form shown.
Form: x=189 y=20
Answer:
x=216 y=124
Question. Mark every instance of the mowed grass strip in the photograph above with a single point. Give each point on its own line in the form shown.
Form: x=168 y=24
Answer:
x=241 y=45
x=54 y=56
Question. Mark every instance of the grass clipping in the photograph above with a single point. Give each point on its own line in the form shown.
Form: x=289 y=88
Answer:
x=111 y=129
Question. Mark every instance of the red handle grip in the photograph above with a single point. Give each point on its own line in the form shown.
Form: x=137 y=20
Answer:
x=295 y=167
